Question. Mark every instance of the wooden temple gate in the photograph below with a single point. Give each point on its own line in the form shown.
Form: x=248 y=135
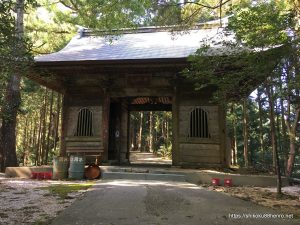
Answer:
x=100 y=92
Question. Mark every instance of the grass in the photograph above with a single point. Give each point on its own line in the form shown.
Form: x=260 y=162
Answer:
x=43 y=221
x=62 y=190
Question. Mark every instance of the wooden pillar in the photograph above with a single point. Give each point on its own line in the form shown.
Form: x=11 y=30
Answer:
x=175 y=126
x=223 y=142
x=124 y=132
x=105 y=125
x=64 y=126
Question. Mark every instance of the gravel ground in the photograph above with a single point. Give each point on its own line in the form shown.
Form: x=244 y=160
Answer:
x=22 y=202
x=288 y=203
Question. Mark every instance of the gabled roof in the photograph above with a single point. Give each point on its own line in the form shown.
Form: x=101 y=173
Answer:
x=145 y=43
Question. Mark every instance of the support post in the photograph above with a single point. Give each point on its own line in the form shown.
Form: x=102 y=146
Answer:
x=64 y=126
x=105 y=126
x=175 y=115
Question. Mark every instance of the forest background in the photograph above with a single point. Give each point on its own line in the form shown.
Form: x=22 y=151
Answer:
x=262 y=120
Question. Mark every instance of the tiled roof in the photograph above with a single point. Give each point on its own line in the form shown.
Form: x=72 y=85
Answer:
x=150 y=44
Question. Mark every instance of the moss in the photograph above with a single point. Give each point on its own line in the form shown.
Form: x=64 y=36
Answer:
x=62 y=190
x=3 y=215
x=45 y=220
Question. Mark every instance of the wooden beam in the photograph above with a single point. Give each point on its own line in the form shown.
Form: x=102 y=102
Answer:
x=150 y=107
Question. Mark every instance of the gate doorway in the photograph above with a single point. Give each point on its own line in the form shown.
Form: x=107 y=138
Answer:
x=150 y=137
x=140 y=131
x=150 y=131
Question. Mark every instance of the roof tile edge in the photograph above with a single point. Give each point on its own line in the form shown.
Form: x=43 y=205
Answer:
x=85 y=32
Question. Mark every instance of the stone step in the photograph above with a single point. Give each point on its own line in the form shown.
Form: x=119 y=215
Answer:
x=107 y=175
x=151 y=170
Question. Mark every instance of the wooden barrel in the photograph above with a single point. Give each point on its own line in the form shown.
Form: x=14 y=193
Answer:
x=60 y=168
x=76 y=169
x=92 y=171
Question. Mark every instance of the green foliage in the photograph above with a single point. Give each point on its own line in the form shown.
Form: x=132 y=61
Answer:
x=231 y=64
x=241 y=68
x=263 y=25
x=165 y=13
x=103 y=15
x=14 y=50
x=165 y=150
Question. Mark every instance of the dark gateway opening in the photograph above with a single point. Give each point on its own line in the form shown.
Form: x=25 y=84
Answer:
x=141 y=131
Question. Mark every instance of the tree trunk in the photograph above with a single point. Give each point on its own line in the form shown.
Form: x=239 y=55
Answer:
x=245 y=133
x=12 y=100
x=234 y=137
x=49 y=128
x=25 y=142
x=284 y=130
x=140 y=132
x=9 y=121
x=292 y=136
x=57 y=119
x=276 y=165
x=151 y=131
x=261 y=133
x=38 y=146
x=43 y=134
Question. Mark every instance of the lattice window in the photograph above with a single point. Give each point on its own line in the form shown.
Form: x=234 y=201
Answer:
x=199 y=124
x=84 y=123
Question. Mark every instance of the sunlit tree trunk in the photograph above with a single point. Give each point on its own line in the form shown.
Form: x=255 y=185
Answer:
x=12 y=99
x=291 y=126
x=44 y=127
x=261 y=133
x=140 y=131
x=25 y=142
x=245 y=133
x=276 y=165
x=151 y=131
x=57 y=120
x=49 y=128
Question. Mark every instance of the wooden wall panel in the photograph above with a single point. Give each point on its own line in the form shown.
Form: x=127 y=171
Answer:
x=200 y=150
x=200 y=153
x=203 y=160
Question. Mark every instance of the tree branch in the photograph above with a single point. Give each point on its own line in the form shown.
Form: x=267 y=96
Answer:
x=68 y=6
x=200 y=4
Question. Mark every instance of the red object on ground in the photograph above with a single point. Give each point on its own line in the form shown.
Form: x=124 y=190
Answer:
x=40 y=175
x=228 y=182
x=33 y=175
x=215 y=181
x=47 y=175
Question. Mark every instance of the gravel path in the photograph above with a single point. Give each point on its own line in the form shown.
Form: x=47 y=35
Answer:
x=23 y=202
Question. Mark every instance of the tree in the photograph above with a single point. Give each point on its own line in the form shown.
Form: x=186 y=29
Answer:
x=257 y=27
x=101 y=15
x=245 y=133
x=9 y=112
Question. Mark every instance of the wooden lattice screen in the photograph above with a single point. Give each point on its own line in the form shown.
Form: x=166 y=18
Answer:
x=84 y=123
x=199 y=124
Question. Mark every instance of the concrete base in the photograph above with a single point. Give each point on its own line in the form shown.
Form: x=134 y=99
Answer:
x=25 y=172
x=162 y=174
x=142 y=176
x=204 y=177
